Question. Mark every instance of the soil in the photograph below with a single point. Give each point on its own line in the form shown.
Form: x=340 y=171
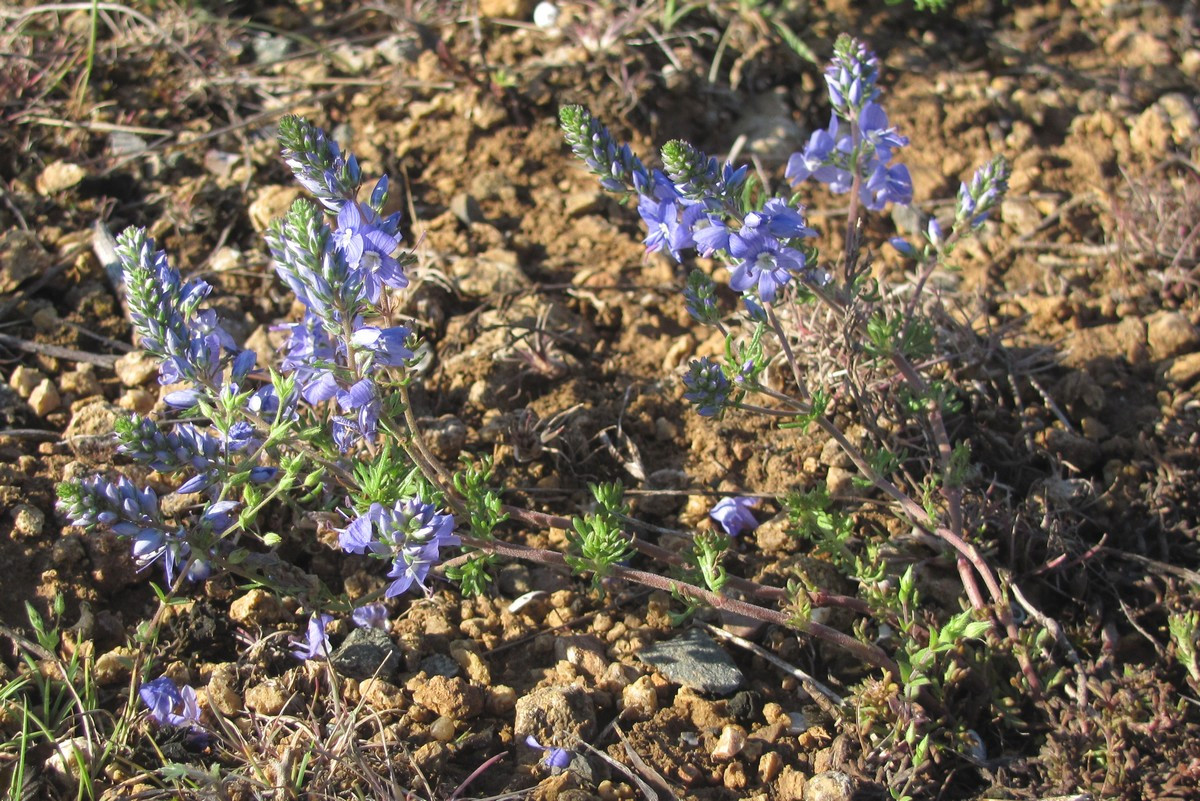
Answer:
x=559 y=345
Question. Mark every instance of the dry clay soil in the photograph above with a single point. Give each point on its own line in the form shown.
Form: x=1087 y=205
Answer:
x=1086 y=282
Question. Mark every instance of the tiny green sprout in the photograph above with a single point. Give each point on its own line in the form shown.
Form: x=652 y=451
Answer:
x=595 y=546
x=1185 y=630
x=610 y=498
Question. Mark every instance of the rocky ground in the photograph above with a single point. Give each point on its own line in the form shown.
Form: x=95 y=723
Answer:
x=1083 y=374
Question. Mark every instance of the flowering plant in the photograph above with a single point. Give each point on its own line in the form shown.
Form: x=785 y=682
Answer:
x=331 y=430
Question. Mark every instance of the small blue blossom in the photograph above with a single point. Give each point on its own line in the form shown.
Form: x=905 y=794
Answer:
x=763 y=263
x=734 y=515
x=387 y=344
x=315 y=643
x=170 y=705
x=555 y=758
x=368 y=249
x=370 y=616
x=670 y=227
x=887 y=185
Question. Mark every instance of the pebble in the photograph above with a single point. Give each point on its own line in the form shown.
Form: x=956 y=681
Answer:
x=832 y=785
x=28 y=521
x=266 y=698
x=135 y=368
x=44 y=398
x=730 y=743
x=556 y=713
x=1168 y=334
x=136 y=400
x=454 y=698
x=46 y=319
x=790 y=785
x=21 y=256
x=769 y=766
x=272 y=203
x=68 y=756
x=257 y=608
x=1185 y=370
x=734 y=777
x=222 y=692
x=114 y=667
x=585 y=653
x=695 y=660
x=366 y=653
x=473 y=665
x=506 y=9
x=58 y=176
x=446 y=437
x=382 y=695
x=24 y=380
x=639 y=701
x=90 y=431
x=442 y=729
x=491 y=273
x=80 y=382
x=501 y=700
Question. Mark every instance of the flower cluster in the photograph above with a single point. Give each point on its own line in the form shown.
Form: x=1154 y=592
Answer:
x=858 y=143
x=410 y=534
x=165 y=313
x=697 y=204
x=133 y=513
x=707 y=386
x=339 y=274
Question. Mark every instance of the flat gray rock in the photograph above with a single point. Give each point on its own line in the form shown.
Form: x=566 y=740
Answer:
x=695 y=660
x=364 y=650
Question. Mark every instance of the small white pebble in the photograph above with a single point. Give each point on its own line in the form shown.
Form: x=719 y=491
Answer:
x=545 y=15
x=732 y=741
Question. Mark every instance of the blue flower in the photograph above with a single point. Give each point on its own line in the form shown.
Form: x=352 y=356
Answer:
x=315 y=643
x=763 y=263
x=370 y=616
x=778 y=219
x=368 y=248
x=887 y=185
x=387 y=344
x=873 y=128
x=668 y=226
x=734 y=514
x=823 y=159
x=170 y=705
x=555 y=758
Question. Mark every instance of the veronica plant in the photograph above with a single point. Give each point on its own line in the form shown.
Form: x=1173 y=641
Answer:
x=832 y=341
x=309 y=433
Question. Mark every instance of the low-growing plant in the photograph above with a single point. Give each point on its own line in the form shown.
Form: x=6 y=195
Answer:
x=812 y=341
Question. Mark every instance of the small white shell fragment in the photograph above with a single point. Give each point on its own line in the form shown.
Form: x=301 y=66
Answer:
x=730 y=744
x=797 y=722
x=690 y=738
x=545 y=15
x=525 y=600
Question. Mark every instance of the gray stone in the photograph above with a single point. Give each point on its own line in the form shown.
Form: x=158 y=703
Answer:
x=695 y=660
x=367 y=653
x=439 y=665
